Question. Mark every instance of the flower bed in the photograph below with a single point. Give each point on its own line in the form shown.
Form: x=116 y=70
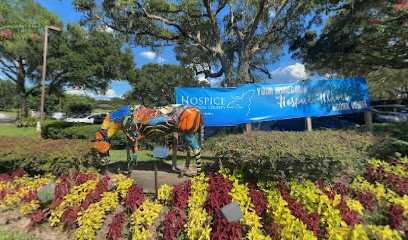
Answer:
x=368 y=208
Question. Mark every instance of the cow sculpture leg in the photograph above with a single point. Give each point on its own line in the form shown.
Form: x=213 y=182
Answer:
x=192 y=142
x=132 y=147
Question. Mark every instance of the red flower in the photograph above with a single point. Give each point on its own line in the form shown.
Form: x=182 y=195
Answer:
x=401 y=5
x=373 y=21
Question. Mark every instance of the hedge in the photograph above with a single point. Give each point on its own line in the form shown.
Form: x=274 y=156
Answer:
x=43 y=156
x=301 y=155
x=61 y=130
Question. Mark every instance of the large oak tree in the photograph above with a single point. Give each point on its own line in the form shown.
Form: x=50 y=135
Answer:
x=231 y=38
x=366 y=38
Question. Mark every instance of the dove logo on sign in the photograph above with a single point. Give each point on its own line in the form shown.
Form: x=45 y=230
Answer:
x=243 y=101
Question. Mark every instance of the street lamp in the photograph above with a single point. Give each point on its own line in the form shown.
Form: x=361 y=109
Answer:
x=45 y=67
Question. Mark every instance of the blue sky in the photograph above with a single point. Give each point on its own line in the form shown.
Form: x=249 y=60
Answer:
x=286 y=69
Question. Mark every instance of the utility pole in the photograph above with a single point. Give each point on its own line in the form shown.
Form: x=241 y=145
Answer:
x=44 y=68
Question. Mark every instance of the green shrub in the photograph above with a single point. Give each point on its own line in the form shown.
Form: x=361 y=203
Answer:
x=52 y=128
x=26 y=122
x=59 y=130
x=311 y=155
x=391 y=138
x=43 y=156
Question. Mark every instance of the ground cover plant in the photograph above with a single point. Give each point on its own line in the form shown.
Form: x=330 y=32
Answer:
x=302 y=155
x=43 y=156
x=374 y=205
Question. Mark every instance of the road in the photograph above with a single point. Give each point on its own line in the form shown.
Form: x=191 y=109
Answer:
x=4 y=118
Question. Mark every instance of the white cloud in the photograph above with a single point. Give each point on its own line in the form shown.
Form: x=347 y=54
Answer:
x=76 y=91
x=161 y=59
x=201 y=77
x=215 y=82
x=110 y=93
x=149 y=55
x=109 y=29
x=291 y=73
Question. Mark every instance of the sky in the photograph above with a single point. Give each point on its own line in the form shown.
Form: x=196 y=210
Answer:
x=284 y=70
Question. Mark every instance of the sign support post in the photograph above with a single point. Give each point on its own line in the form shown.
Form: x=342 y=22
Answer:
x=247 y=127
x=308 y=124
x=368 y=117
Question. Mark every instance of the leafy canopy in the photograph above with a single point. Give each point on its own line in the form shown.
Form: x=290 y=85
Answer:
x=154 y=85
x=231 y=38
x=360 y=38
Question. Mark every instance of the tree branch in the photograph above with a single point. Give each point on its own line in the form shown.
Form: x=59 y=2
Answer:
x=264 y=70
x=254 y=24
x=234 y=25
x=210 y=74
x=8 y=67
x=9 y=76
x=214 y=24
x=174 y=24
x=221 y=7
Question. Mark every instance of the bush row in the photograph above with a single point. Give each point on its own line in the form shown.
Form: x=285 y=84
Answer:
x=302 y=155
x=43 y=156
x=61 y=130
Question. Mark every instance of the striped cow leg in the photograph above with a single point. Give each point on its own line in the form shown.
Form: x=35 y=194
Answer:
x=192 y=142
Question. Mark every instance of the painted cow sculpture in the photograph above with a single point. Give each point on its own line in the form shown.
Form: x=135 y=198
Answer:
x=139 y=122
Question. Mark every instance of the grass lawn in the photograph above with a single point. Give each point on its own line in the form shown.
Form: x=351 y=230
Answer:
x=11 y=235
x=11 y=130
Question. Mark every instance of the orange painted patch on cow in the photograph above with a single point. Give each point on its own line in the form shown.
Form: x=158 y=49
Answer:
x=188 y=119
x=101 y=147
x=98 y=136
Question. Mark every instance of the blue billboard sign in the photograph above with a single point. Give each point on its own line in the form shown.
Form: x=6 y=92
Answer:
x=263 y=102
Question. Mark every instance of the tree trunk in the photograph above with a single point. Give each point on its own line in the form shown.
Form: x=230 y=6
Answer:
x=243 y=67
x=21 y=88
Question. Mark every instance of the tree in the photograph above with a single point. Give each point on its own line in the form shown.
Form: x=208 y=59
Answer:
x=74 y=104
x=154 y=85
x=223 y=37
x=363 y=38
x=87 y=60
x=21 y=24
x=8 y=99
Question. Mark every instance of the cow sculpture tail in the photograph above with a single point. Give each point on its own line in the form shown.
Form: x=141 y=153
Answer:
x=191 y=121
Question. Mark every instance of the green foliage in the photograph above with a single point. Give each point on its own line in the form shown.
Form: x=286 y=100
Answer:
x=391 y=138
x=363 y=38
x=74 y=108
x=43 y=156
x=154 y=85
x=51 y=128
x=21 y=43
x=87 y=60
x=8 y=97
x=11 y=235
x=26 y=122
x=312 y=155
x=238 y=38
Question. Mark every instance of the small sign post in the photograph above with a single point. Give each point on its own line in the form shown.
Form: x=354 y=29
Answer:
x=175 y=146
x=158 y=152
